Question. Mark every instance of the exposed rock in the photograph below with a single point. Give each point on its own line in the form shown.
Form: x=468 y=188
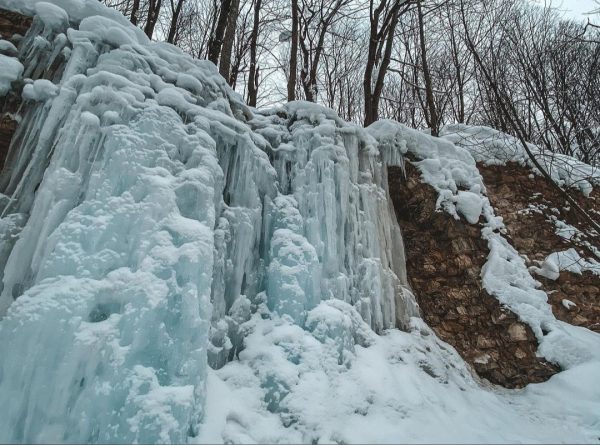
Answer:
x=12 y=23
x=445 y=259
x=528 y=205
x=8 y=125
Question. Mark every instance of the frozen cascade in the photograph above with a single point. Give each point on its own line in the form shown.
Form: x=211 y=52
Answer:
x=147 y=213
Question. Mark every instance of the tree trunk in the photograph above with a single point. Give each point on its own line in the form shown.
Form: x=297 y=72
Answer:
x=253 y=74
x=214 y=47
x=431 y=114
x=176 y=12
x=228 y=40
x=153 y=13
x=379 y=41
x=134 y=11
x=291 y=86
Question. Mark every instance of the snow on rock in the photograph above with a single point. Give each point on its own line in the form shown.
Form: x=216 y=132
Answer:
x=569 y=260
x=53 y=16
x=55 y=12
x=469 y=205
x=451 y=169
x=10 y=72
x=40 y=90
x=7 y=48
x=493 y=147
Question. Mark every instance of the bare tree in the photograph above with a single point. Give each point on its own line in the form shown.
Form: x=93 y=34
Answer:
x=383 y=19
x=253 y=74
x=154 y=7
x=293 y=67
x=228 y=40
x=214 y=47
x=175 y=14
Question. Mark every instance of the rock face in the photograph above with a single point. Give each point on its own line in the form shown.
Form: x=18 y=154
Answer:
x=445 y=257
x=11 y=24
x=529 y=207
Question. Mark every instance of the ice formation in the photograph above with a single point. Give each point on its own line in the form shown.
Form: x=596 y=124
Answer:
x=157 y=234
x=165 y=213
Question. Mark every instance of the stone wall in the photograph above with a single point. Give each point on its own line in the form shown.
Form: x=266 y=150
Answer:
x=515 y=192
x=445 y=257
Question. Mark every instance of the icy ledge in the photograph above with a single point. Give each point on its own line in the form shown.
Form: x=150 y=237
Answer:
x=153 y=225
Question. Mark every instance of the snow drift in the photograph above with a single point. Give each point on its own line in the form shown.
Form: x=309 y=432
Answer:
x=178 y=267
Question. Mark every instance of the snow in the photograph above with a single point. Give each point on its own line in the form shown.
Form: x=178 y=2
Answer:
x=11 y=71
x=493 y=147
x=7 y=48
x=40 y=90
x=469 y=205
x=402 y=387
x=53 y=16
x=569 y=260
x=177 y=267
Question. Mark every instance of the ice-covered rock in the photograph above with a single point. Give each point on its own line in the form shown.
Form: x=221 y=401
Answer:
x=149 y=213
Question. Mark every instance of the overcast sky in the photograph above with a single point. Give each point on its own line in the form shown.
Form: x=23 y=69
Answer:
x=573 y=7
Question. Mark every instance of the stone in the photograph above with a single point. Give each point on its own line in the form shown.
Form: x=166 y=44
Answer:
x=485 y=343
x=517 y=332
x=519 y=353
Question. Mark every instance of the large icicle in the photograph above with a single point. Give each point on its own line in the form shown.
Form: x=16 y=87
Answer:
x=339 y=183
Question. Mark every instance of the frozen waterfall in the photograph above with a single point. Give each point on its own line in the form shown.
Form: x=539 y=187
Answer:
x=147 y=213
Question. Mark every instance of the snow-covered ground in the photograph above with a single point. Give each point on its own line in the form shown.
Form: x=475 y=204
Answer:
x=190 y=269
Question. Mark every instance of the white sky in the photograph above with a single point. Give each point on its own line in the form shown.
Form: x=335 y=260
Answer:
x=575 y=8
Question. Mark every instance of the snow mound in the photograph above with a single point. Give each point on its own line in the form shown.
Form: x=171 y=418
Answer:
x=11 y=71
x=293 y=386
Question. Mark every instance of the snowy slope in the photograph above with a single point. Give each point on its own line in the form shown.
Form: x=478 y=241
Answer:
x=179 y=267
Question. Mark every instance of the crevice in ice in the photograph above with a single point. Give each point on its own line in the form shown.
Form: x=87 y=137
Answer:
x=102 y=311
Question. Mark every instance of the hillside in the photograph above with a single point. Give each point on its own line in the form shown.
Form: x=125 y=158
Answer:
x=180 y=267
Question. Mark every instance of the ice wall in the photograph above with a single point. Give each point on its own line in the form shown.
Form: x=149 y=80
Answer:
x=147 y=213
